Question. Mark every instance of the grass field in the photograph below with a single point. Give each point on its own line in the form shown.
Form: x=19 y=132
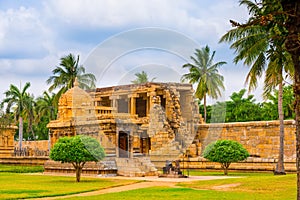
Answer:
x=21 y=169
x=262 y=186
x=249 y=186
x=17 y=186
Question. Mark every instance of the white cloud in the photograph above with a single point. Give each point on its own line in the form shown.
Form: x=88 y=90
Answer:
x=22 y=34
x=33 y=38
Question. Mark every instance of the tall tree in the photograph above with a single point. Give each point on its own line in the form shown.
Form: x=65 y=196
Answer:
x=65 y=74
x=291 y=10
x=20 y=102
x=204 y=72
x=262 y=47
x=46 y=106
x=141 y=77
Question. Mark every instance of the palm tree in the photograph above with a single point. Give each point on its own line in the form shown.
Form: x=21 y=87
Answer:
x=256 y=46
x=141 y=77
x=205 y=74
x=46 y=106
x=65 y=74
x=21 y=102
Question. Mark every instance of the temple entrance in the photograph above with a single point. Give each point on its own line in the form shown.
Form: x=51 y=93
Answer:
x=145 y=143
x=123 y=144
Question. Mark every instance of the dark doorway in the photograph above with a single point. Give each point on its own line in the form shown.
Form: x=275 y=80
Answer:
x=145 y=143
x=162 y=101
x=141 y=107
x=123 y=144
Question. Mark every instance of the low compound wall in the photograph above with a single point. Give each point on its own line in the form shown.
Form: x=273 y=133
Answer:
x=261 y=139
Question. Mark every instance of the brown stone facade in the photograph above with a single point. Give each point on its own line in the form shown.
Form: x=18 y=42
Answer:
x=7 y=141
x=137 y=120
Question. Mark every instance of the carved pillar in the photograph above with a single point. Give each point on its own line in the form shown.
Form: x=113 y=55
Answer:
x=132 y=105
x=150 y=102
x=117 y=142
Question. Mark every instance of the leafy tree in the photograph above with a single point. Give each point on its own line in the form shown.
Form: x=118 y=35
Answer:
x=65 y=74
x=291 y=10
x=77 y=150
x=242 y=109
x=257 y=44
x=6 y=119
x=225 y=152
x=269 y=108
x=21 y=103
x=141 y=77
x=204 y=73
x=46 y=106
x=46 y=110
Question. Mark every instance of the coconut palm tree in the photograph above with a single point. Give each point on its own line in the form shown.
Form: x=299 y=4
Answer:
x=21 y=103
x=65 y=74
x=204 y=72
x=263 y=51
x=141 y=77
x=46 y=106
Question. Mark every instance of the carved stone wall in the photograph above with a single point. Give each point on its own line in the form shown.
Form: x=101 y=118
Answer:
x=7 y=141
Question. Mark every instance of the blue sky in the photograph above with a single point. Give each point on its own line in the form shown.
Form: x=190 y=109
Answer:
x=34 y=35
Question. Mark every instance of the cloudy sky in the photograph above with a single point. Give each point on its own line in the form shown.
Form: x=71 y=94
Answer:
x=114 y=38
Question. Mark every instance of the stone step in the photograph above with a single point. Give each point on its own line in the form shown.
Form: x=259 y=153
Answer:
x=140 y=166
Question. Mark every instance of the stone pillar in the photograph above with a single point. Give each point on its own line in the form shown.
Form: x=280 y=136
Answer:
x=132 y=105
x=117 y=142
x=130 y=144
x=150 y=102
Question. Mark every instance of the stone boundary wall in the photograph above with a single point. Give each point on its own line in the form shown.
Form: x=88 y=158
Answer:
x=25 y=161
x=41 y=145
x=261 y=138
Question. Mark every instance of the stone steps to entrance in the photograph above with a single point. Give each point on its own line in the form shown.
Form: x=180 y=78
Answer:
x=138 y=166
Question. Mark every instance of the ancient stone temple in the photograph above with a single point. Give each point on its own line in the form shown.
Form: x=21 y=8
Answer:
x=136 y=123
x=7 y=141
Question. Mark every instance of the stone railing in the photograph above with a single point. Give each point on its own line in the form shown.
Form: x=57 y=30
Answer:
x=103 y=110
x=29 y=152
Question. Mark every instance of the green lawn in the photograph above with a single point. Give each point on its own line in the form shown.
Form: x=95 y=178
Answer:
x=21 y=169
x=261 y=186
x=16 y=186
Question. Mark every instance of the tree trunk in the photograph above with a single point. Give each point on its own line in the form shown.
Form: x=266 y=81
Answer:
x=78 y=172
x=292 y=44
x=225 y=167
x=280 y=164
x=204 y=105
x=20 y=132
x=226 y=171
x=297 y=113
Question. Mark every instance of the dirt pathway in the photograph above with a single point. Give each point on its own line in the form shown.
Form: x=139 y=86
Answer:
x=133 y=186
x=147 y=182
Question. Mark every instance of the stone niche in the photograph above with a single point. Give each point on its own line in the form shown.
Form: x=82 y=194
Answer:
x=7 y=141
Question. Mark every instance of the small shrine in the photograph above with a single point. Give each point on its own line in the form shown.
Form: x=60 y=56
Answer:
x=7 y=141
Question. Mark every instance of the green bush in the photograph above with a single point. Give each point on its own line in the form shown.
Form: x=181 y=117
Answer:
x=77 y=150
x=225 y=152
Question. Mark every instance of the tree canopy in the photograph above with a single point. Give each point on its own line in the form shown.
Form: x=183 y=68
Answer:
x=77 y=150
x=142 y=77
x=204 y=72
x=225 y=152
